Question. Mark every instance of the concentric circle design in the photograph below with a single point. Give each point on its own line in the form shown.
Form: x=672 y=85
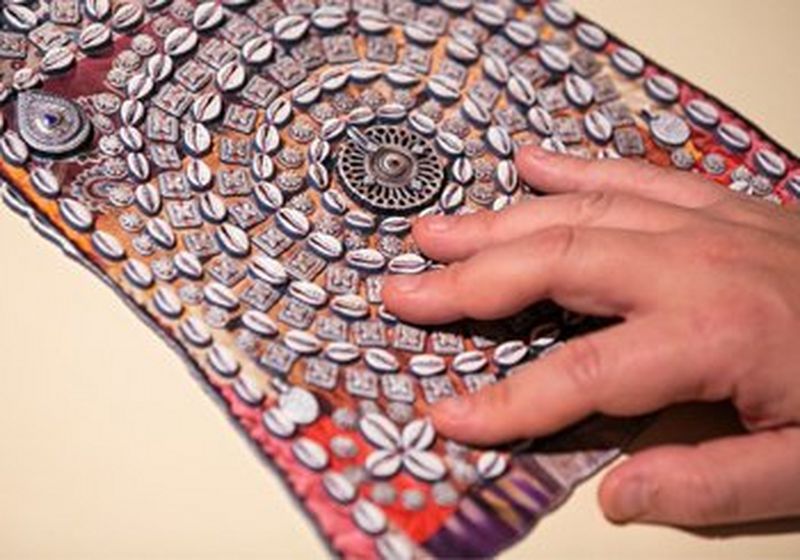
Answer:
x=390 y=169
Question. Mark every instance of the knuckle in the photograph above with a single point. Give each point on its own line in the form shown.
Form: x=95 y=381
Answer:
x=716 y=501
x=743 y=302
x=639 y=173
x=761 y=218
x=483 y=221
x=503 y=396
x=584 y=364
x=557 y=242
x=740 y=312
x=496 y=397
x=715 y=245
x=458 y=285
x=710 y=321
x=649 y=173
x=720 y=330
x=731 y=208
x=453 y=277
x=751 y=313
x=593 y=206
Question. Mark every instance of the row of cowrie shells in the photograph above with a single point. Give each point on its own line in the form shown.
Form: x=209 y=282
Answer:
x=123 y=17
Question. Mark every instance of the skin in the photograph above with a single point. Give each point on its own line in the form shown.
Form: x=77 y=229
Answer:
x=707 y=283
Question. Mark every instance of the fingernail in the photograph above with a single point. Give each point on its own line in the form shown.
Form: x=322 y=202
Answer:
x=452 y=407
x=633 y=499
x=403 y=283
x=438 y=224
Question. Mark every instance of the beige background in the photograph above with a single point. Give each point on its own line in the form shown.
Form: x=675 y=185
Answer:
x=109 y=449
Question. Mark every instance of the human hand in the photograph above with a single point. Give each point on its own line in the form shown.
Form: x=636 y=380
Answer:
x=708 y=284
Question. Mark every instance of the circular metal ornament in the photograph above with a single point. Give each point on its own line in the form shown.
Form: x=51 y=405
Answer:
x=390 y=169
x=669 y=129
x=51 y=124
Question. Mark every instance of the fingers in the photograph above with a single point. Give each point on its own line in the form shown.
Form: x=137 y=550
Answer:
x=449 y=238
x=625 y=370
x=734 y=479
x=557 y=173
x=579 y=268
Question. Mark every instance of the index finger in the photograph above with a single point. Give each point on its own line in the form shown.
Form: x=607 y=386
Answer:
x=560 y=173
x=451 y=238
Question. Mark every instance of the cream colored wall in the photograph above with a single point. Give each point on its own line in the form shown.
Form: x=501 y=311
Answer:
x=108 y=449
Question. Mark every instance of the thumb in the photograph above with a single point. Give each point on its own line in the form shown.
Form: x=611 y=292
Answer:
x=729 y=480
